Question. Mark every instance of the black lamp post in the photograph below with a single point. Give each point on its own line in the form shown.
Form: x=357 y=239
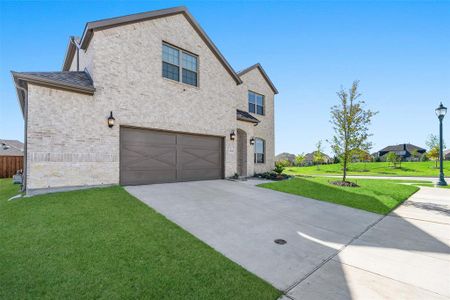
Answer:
x=440 y=113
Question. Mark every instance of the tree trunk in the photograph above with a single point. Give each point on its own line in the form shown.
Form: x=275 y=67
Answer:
x=345 y=168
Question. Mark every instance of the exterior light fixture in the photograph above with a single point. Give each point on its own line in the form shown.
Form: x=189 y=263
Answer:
x=440 y=113
x=111 y=120
x=252 y=141
x=232 y=135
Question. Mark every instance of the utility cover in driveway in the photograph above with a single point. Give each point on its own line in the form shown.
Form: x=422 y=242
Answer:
x=151 y=156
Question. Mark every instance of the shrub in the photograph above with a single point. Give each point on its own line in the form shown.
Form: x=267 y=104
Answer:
x=279 y=167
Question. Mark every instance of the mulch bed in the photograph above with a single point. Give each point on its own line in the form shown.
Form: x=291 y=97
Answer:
x=344 y=183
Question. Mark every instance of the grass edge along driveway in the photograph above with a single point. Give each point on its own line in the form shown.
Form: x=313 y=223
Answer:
x=104 y=243
x=408 y=169
x=373 y=195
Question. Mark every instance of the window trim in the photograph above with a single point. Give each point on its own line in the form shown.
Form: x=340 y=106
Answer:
x=256 y=103
x=180 y=64
x=263 y=153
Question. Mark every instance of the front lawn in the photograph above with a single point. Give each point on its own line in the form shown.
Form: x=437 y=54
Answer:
x=417 y=169
x=104 y=243
x=378 y=196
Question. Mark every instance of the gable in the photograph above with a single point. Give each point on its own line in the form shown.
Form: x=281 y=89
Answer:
x=92 y=27
x=257 y=67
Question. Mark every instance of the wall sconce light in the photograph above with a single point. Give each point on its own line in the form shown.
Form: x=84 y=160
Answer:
x=111 y=120
x=252 y=141
x=232 y=135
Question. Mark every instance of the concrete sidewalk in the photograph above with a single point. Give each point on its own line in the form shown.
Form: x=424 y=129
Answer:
x=406 y=255
x=412 y=178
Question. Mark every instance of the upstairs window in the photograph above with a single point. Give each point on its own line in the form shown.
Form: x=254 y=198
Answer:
x=260 y=149
x=178 y=64
x=255 y=103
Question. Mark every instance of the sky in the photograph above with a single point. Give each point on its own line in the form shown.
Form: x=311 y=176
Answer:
x=399 y=51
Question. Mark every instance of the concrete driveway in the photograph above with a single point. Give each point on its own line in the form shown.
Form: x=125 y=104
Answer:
x=332 y=251
x=242 y=221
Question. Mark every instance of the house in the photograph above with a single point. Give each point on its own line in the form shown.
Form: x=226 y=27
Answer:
x=11 y=157
x=141 y=99
x=286 y=157
x=447 y=154
x=309 y=159
x=407 y=152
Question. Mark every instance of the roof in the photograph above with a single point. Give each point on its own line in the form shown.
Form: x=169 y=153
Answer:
x=91 y=27
x=310 y=156
x=80 y=82
x=264 y=74
x=285 y=156
x=401 y=147
x=11 y=148
x=245 y=116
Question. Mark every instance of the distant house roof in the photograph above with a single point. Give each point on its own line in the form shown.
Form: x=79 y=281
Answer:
x=285 y=156
x=11 y=148
x=402 y=147
x=310 y=156
x=447 y=154
x=245 y=116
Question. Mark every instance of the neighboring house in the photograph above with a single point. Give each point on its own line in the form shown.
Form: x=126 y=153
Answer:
x=11 y=157
x=447 y=154
x=405 y=151
x=309 y=159
x=180 y=111
x=286 y=156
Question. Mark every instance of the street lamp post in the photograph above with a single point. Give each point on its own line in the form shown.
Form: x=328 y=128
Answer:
x=440 y=113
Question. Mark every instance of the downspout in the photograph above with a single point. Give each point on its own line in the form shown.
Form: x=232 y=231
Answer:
x=25 y=113
x=72 y=40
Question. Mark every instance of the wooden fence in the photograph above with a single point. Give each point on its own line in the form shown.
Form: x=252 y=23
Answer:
x=9 y=165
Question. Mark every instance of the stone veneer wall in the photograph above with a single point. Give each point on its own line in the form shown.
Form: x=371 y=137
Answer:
x=254 y=81
x=69 y=143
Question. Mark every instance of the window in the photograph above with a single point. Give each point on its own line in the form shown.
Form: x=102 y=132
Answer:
x=260 y=149
x=173 y=58
x=255 y=103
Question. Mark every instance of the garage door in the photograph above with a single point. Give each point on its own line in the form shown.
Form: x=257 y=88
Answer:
x=151 y=156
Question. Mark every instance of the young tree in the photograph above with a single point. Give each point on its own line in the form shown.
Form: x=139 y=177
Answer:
x=393 y=158
x=433 y=143
x=415 y=155
x=318 y=156
x=351 y=125
x=299 y=159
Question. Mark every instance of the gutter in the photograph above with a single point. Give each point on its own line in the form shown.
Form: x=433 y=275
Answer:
x=25 y=144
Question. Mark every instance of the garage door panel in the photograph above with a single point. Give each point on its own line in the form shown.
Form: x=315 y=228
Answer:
x=148 y=177
x=195 y=158
x=150 y=156
x=206 y=142
x=199 y=174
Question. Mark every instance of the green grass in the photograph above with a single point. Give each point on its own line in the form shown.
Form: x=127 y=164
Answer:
x=104 y=243
x=426 y=169
x=378 y=196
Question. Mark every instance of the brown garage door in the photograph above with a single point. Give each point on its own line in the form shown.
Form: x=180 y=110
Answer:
x=151 y=156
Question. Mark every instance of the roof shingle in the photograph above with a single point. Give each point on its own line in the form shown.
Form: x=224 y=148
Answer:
x=74 y=79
